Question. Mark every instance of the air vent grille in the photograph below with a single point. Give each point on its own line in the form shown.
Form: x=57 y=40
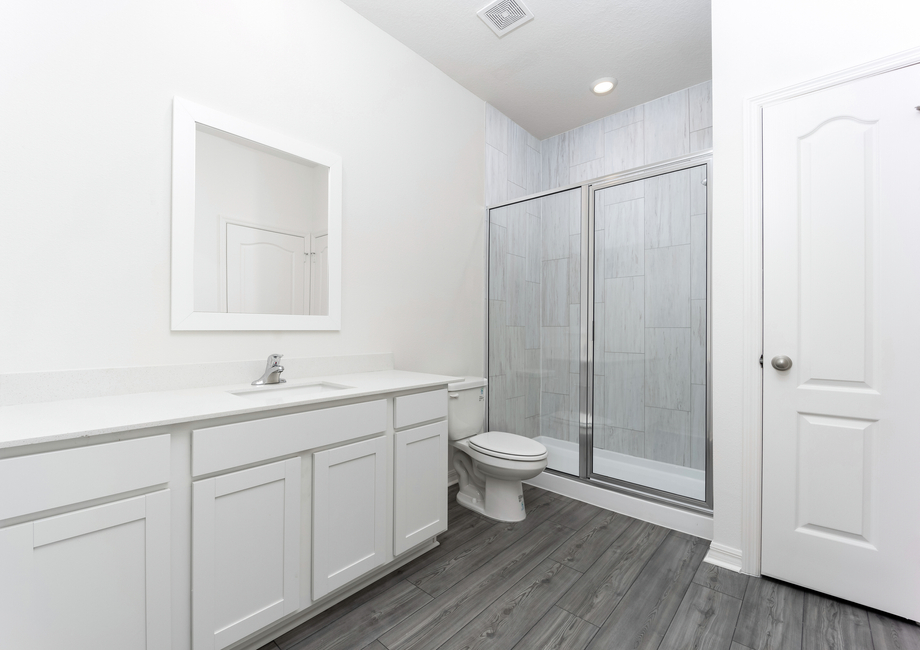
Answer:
x=503 y=16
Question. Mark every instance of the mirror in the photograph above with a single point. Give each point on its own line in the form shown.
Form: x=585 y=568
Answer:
x=256 y=227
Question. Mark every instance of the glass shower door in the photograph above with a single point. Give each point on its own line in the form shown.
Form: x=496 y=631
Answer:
x=650 y=347
x=535 y=323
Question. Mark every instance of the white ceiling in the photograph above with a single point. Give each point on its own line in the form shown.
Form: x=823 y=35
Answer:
x=539 y=74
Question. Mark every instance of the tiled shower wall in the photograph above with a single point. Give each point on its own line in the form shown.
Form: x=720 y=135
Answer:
x=535 y=258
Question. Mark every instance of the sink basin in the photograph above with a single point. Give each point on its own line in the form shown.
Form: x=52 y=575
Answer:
x=280 y=393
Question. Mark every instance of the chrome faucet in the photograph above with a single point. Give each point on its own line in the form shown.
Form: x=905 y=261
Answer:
x=272 y=374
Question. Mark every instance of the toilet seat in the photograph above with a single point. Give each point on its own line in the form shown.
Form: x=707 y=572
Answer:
x=509 y=446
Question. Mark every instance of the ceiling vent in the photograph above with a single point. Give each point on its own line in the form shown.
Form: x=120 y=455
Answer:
x=503 y=16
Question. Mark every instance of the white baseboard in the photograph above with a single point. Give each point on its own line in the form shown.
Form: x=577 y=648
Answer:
x=452 y=477
x=724 y=556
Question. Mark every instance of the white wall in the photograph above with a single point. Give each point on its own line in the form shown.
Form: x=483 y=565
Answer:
x=757 y=48
x=85 y=162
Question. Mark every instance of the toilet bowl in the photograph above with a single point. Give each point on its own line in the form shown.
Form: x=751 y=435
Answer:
x=490 y=466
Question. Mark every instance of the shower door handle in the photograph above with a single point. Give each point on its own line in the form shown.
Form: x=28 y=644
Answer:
x=781 y=363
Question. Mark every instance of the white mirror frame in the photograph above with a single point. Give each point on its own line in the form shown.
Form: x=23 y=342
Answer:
x=186 y=117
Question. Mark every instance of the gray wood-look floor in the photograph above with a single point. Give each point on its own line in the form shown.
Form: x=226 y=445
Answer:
x=573 y=576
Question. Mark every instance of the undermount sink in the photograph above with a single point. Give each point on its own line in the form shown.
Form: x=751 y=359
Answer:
x=279 y=393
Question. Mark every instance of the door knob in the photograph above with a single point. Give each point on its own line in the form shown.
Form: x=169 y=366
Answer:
x=781 y=362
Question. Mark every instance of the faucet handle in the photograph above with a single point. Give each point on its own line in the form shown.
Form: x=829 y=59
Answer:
x=273 y=360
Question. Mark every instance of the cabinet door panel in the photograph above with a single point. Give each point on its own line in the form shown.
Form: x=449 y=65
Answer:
x=349 y=513
x=94 y=578
x=420 y=508
x=245 y=552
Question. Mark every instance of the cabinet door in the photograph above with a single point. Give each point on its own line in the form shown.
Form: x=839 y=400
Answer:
x=420 y=508
x=94 y=578
x=349 y=513
x=245 y=552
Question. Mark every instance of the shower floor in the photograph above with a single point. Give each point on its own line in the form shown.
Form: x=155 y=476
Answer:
x=676 y=479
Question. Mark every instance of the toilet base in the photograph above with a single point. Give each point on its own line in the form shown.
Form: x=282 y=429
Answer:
x=503 y=501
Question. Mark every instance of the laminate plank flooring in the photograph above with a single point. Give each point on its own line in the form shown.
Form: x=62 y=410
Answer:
x=572 y=576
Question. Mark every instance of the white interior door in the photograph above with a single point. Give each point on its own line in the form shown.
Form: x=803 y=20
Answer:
x=265 y=271
x=319 y=274
x=841 y=442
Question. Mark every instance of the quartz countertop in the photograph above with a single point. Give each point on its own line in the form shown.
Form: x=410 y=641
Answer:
x=28 y=424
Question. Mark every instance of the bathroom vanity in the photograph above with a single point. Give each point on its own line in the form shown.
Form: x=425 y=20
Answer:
x=217 y=517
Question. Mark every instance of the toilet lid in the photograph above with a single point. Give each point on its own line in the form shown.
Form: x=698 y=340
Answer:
x=508 y=445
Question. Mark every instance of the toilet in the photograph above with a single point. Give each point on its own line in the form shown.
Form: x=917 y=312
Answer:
x=491 y=465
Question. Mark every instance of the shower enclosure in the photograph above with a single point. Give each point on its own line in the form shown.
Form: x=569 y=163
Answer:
x=598 y=337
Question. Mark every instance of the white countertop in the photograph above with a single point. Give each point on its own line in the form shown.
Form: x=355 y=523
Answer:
x=28 y=424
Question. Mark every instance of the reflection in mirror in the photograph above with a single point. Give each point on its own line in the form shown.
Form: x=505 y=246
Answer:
x=260 y=228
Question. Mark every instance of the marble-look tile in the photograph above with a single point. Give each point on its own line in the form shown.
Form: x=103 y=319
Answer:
x=667 y=436
x=516 y=220
x=554 y=153
x=534 y=252
x=624 y=394
x=624 y=239
x=599 y=337
x=700 y=100
x=667 y=127
x=554 y=297
x=600 y=249
x=667 y=210
x=533 y=142
x=667 y=287
x=574 y=269
x=517 y=156
x=498 y=129
x=698 y=427
x=498 y=250
x=515 y=294
x=515 y=191
x=698 y=342
x=600 y=398
x=574 y=407
x=532 y=382
x=698 y=190
x=515 y=410
x=532 y=320
x=623 y=441
x=624 y=317
x=532 y=426
x=586 y=143
x=667 y=368
x=586 y=171
x=498 y=405
x=553 y=409
x=621 y=119
x=496 y=176
x=624 y=148
x=534 y=171
x=514 y=373
x=498 y=339
x=571 y=203
x=698 y=257
x=623 y=192
x=554 y=360
x=556 y=223
x=574 y=335
x=700 y=140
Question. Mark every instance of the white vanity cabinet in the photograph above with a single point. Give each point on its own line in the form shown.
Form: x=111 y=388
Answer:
x=101 y=573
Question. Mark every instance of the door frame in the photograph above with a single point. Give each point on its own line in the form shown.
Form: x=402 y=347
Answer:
x=749 y=560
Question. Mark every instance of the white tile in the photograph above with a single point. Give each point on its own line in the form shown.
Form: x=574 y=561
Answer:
x=667 y=287
x=498 y=249
x=667 y=368
x=498 y=339
x=624 y=317
x=554 y=297
x=532 y=323
x=625 y=391
x=698 y=427
x=534 y=252
x=624 y=239
x=620 y=193
x=534 y=170
x=554 y=152
x=516 y=220
x=498 y=129
x=700 y=140
x=586 y=171
x=667 y=436
x=556 y=223
x=698 y=341
x=667 y=127
x=621 y=119
x=587 y=143
x=667 y=210
x=698 y=257
x=554 y=360
x=515 y=191
x=515 y=294
x=496 y=176
x=574 y=269
x=517 y=156
x=624 y=148
x=698 y=190
x=700 y=99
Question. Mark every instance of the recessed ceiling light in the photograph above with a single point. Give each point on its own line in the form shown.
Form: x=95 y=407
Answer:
x=603 y=86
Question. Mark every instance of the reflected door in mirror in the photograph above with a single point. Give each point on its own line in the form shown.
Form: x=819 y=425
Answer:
x=265 y=271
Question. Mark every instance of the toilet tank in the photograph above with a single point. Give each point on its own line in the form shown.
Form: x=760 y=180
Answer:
x=466 y=404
